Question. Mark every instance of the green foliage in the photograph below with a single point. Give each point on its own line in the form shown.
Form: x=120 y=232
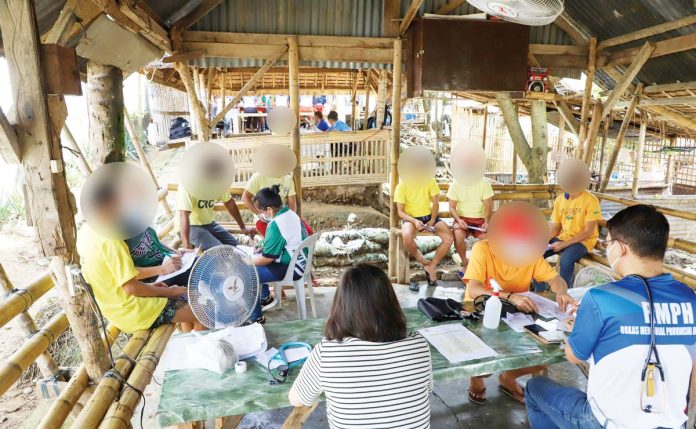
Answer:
x=12 y=209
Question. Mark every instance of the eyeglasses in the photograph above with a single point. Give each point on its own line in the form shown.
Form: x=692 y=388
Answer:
x=606 y=243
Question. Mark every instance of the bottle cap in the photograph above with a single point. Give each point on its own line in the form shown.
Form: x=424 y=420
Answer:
x=240 y=367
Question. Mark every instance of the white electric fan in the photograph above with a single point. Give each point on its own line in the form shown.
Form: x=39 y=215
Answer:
x=223 y=287
x=588 y=278
x=527 y=12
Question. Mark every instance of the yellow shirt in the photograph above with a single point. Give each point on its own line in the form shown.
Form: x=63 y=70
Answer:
x=470 y=198
x=107 y=266
x=572 y=214
x=257 y=182
x=483 y=266
x=202 y=211
x=417 y=199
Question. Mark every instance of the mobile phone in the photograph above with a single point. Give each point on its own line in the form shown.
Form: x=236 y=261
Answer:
x=535 y=329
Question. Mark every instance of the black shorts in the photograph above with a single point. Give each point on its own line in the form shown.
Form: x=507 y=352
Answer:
x=424 y=219
x=168 y=312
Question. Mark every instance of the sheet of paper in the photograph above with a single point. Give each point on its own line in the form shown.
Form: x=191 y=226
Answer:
x=291 y=355
x=246 y=249
x=547 y=308
x=186 y=263
x=550 y=325
x=263 y=358
x=517 y=321
x=475 y=228
x=457 y=343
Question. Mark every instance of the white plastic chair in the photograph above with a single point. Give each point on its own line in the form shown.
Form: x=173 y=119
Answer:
x=299 y=285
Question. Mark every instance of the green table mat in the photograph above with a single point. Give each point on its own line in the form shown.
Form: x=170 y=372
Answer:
x=194 y=395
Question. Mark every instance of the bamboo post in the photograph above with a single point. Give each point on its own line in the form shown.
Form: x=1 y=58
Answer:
x=670 y=163
x=70 y=142
x=367 y=99
x=19 y=361
x=294 y=76
x=199 y=115
x=395 y=148
x=381 y=98
x=120 y=413
x=605 y=133
x=638 y=167
x=514 y=166
x=71 y=394
x=620 y=137
x=587 y=95
x=44 y=361
x=354 y=100
x=209 y=92
x=105 y=100
x=19 y=300
x=95 y=409
x=485 y=126
x=223 y=92
x=592 y=134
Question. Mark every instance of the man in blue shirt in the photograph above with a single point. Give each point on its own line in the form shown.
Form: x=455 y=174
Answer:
x=337 y=125
x=321 y=124
x=631 y=384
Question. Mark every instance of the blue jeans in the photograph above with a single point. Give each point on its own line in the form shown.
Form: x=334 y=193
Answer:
x=569 y=256
x=211 y=235
x=272 y=272
x=552 y=406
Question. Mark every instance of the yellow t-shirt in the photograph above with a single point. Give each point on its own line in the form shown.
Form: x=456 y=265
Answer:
x=483 y=266
x=417 y=199
x=470 y=198
x=257 y=182
x=572 y=214
x=202 y=211
x=107 y=266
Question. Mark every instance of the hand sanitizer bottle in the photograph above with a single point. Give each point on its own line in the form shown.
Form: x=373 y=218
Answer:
x=491 y=314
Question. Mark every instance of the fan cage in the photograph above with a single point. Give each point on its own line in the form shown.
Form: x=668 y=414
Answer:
x=527 y=12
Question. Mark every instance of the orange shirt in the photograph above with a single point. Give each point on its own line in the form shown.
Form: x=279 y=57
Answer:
x=483 y=266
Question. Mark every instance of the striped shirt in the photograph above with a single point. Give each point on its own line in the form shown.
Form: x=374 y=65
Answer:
x=370 y=385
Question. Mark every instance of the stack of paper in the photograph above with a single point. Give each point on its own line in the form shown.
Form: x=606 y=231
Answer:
x=457 y=343
x=517 y=321
x=186 y=262
x=547 y=308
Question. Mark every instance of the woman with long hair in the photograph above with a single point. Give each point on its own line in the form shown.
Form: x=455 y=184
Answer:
x=372 y=371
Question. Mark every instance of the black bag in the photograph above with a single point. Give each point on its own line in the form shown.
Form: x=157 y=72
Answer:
x=179 y=128
x=440 y=310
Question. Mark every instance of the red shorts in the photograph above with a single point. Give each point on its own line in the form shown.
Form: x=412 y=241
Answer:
x=473 y=221
x=261 y=227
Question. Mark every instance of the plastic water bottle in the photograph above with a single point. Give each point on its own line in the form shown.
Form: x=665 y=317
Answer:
x=491 y=314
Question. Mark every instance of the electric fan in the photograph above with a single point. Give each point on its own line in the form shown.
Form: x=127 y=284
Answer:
x=588 y=278
x=223 y=287
x=527 y=12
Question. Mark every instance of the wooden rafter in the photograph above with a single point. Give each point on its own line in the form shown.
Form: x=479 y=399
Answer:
x=647 y=32
x=392 y=12
x=622 y=85
x=184 y=56
x=75 y=16
x=410 y=14
x=663 y=47
x=679 y=86
x=136 y=18
x=568 y=117
x=195 y=15
x=9 y=145
x=449 y=7
x=567 y=24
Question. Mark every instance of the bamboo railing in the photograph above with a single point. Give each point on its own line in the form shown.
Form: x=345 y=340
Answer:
x=19 y=300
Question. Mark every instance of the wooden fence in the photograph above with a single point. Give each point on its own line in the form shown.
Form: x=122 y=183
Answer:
x=328 y=159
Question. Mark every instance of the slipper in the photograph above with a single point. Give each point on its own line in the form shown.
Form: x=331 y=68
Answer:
x=478 y=398
x=460 y=274
x=430 y=282
x=413 y=287
x=511 y=394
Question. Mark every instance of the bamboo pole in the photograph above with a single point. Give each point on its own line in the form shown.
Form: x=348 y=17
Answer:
x=69 y=139
x=44 y=361
x=209 y=92
x=664 y=210
x=638 y=166
x=166 y=229
x=108 y=388
x=381 y=98
x=485 y=126
x=367 y=99
x=13 y=368
x=514 y=166
x=620 y=137
x=20 y=300
x=120 y=413
x=294 y=77
x=199 y=116
x=603 y=147
x=670 y=163
x=354 y=100
x=71 y=394
x=678 y=274
x=592 y=134
x=394 y=152
x=587 y=95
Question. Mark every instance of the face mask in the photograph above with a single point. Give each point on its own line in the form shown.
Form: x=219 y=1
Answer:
x=612 y=264
x=264 y=217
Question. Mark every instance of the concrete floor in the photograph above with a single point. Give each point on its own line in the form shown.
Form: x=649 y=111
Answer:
x=449 y=403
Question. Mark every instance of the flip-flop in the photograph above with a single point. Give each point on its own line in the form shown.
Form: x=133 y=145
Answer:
x=414 y=287
x=475 y=397
x=430 y=282
x=511 y=394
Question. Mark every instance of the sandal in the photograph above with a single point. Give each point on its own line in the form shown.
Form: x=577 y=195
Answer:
x=414 y=287
x=513 y=395
x=478 y=398
x=430 y=282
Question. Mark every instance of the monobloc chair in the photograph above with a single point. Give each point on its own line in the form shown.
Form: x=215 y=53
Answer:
x=308 y=244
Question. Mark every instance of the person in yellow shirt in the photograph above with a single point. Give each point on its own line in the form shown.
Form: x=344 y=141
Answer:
x=469 y=206
x=488 y=263
x=573 y=226
x=418 y=206
x=197 y=224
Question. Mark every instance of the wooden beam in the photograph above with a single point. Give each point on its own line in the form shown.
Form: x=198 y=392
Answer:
x=663 y=47
x=567 y=114
x=381 y=98
x=647 y=32
x=391 y=14
x=200 y=116
x=540 y=145
x=250 y=84
x=570 y=27
x=50 y=200
x=667 y=87
x=410 y=14
x=638 y=60
x=672 y=116
x=75 y=16
x=592 y=134
x=394 y=149
x=294 y=78
x=199 y=12
x=449 y=7
x=673 y=101
x=107 y=134
x=367 y=98
x=587 y=94
x=132 y=16
x=540 y=49
x=9 y=143
x=619 y=139
x=354 y=99
x=71 y=143
x=185 y=56
x=638 y=166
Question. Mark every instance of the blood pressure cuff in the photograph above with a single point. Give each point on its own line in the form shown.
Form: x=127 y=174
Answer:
x=440 y=310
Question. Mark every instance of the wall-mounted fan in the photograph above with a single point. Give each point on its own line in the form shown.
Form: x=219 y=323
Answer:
x=223 y=287
x=527 y=12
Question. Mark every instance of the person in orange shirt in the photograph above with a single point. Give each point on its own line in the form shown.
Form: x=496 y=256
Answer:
x=512 y=255
x=573 y=226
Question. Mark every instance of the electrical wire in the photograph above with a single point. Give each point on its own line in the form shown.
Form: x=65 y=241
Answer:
x=459 y=423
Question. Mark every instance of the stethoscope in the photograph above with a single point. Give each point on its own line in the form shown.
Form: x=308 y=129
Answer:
x=284 y=368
